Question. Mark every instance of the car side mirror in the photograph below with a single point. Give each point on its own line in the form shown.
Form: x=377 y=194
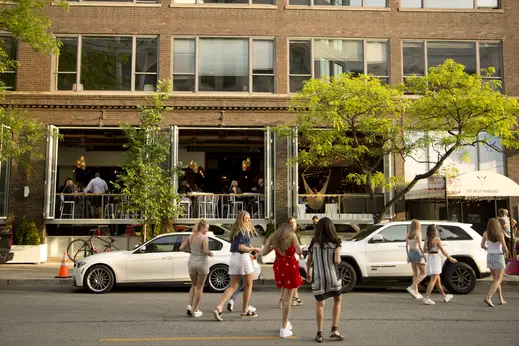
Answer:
x=142 y=249
x=136 y=246
x=377 y=238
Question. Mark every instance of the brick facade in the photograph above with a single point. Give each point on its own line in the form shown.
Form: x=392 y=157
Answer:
x=35 y=75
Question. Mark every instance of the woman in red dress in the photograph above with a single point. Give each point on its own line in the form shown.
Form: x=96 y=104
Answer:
x=286 y=269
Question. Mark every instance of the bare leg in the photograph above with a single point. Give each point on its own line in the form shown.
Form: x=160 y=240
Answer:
x=287 y=299
x=281 y=298
x=439 y=285
x=235 y=281
x=415 y=275
x=199 y=291
x=337 y=301
x=192 y=290
x=319 y=314
x=247 y=290
x=430 y=287
x=420 y=275
x=498 y=277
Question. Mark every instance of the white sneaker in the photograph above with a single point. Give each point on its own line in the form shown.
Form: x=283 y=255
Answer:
x=428 y=301
x=230 y=305
x=289 y=326
x=252 y=308
x=419 y=296
x=285 y=333
x=197 y=313
x=447 y=298
x=412 y=292
x=189 y=310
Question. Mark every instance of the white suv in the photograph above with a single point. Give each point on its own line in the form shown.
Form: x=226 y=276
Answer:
x=378 y=253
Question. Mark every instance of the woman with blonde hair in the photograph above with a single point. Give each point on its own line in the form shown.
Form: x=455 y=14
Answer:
x=240 y=265
x=494 y=242
x=198 y=265
x=415 y=256
x=286 y=269
x=433 y=245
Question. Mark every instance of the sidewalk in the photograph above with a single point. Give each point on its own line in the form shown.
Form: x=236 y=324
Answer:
x=43 y=274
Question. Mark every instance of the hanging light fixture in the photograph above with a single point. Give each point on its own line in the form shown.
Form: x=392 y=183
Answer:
x=81 y=162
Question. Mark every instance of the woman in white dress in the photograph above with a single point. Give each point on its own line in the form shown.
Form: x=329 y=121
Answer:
x=433 y=245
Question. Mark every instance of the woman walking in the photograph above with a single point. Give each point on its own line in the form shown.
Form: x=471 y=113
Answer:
x=240 y=265
x=494 y=242
x=295 y=300
x=416 y=257
x=433 y=246
x=286 y=269
x=323 y=258
x=198 y=265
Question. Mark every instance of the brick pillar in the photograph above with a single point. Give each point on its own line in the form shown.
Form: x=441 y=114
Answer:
x=281 y=173
x=512 y=171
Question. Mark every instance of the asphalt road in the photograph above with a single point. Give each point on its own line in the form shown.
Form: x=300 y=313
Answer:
x=57 y=315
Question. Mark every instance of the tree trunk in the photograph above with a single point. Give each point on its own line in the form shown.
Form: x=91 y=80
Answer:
x=144 y=232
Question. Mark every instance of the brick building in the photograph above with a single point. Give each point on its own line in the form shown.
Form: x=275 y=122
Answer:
x=233 y=66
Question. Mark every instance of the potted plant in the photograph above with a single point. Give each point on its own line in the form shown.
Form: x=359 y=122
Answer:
x=27 y=247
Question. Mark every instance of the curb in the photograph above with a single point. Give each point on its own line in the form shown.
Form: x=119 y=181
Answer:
x=35 y=282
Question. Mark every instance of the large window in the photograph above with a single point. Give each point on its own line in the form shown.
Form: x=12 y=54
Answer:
x=446 y=4
x=419 y=56
x=10 y=47
x=345 y=3
x=119 y=63
x=333 y=57
x=223 y=64
x=6 y=135
x=216 y=2
x=126 y=1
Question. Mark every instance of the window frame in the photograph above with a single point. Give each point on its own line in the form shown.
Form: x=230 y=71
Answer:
x=478 y=56
x=15 y=58
x=475 y=6
x=312 y=55
x=251 y=75
x=113 y=2
x=248 y=4
x=134 y=74
x=362 y=6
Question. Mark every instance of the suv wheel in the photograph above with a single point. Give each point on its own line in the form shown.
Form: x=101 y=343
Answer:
x=218 y=279
x=459 y=278
x=348 y=276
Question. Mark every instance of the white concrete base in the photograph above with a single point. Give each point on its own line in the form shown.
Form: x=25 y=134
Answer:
x=29 y=253
x=58 y=244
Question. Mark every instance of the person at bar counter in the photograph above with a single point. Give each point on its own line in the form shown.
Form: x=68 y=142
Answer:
x=261 y=187
x=97 y=186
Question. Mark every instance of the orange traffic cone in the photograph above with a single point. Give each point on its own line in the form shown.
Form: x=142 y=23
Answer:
x=63 y=270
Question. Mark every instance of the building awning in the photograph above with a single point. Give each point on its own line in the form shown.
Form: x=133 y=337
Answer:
x=477 y=184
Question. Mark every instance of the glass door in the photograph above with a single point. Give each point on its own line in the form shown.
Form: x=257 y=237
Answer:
x=6 y=135
x=293 y=174
x=270 y=164
x=174 y=153
x=51 y=172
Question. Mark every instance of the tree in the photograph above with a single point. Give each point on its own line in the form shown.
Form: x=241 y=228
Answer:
x=146 y=179
x=354 y=119
x=366 y=121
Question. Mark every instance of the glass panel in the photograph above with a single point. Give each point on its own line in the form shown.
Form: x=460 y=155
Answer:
x=146 y=55
x=184 y=82
x=223 y=64
x=223 y=1
x=296 y=83
x=67 y=61
x=263 y=2
x=414 y=58
x=452 y=233
x=189 y=2
x=395 y=234
x=333 y=57
x=66 y=81
x=183 y=56
x=263 y=57
x=163 y=244
x=411 y=3
x=384 y=81
x=375 y=3
x=145 y=82
x=377 y=58
x=352 y=3
x=490 y=56
x=5 y=179
x=10 y=46
x=462 y=52
x=111 y=0
x=300 y=2
x=300 y=57
x=488 y=3
x=106 y=63
x=263 y=84
x=51 y=165
x=450 y=4
x=9 y=80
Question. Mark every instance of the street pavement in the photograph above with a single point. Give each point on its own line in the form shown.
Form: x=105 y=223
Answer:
x=61 y=315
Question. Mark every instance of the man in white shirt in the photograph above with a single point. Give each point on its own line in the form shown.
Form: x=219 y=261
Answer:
x=96 y=186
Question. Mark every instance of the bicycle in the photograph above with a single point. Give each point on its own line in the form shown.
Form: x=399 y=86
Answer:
x=87 y=247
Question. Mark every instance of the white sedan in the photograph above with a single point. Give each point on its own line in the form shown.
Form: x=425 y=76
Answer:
x=156 y=261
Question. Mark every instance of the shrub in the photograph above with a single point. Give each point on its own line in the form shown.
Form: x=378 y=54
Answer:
x=27 y=234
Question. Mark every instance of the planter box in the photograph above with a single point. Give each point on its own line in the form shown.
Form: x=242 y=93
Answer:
x=29 y=253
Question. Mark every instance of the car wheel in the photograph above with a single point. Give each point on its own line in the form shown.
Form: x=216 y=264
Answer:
x=99 y=279
x=218 y=279
x=348 y=276
x=459 y=278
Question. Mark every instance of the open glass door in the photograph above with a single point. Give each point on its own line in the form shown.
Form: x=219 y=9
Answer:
x=51 y=165
x=270 y=164
x=293 y=174
x=388 y=193
x=6 y=134
x=174 y=153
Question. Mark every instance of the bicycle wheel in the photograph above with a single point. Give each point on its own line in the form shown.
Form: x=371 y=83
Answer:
x=78 y=249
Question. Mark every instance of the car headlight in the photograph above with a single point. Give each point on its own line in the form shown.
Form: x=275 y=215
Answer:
x=79 y=264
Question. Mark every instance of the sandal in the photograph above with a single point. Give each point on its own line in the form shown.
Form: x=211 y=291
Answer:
x=218 y=315
x=319 y=337
x=335 y=334
x=296 y=301
x=488 y=302
x=502 y=302
x=249 y=314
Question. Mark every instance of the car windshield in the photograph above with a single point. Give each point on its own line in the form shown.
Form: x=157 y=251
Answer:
x=365 y=232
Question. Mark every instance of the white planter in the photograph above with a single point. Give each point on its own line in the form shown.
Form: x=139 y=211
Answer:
x=29 y=253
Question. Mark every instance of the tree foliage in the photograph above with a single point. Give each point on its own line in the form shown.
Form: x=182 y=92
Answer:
x=147 y=179
x=358 y=120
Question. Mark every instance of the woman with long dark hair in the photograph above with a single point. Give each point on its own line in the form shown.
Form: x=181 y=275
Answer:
x=494 y=242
